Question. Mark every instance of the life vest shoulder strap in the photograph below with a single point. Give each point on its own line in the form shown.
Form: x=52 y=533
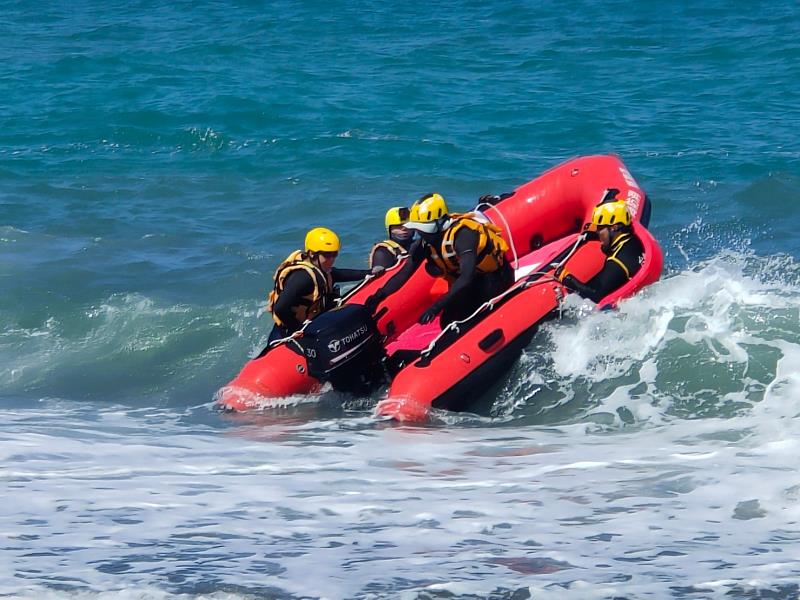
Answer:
x=390 y=246
x=618 y=244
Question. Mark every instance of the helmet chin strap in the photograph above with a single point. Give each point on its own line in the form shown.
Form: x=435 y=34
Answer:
x=436 y=236
x=313 y=257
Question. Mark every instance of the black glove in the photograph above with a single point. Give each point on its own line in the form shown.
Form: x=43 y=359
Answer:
x=569 y=282
x=609 y=195
x=488 y=199
x=372 y=302
x=430 y=314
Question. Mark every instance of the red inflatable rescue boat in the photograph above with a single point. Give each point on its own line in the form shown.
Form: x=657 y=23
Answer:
x=542 y=221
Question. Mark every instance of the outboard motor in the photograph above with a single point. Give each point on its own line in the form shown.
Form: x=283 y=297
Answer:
x=343 y=346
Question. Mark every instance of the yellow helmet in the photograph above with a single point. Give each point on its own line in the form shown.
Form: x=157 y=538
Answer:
x=321 y=239
x=610 y=213
x=397 y=215
x=426 y=213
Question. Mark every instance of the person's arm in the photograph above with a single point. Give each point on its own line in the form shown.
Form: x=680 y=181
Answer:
x=466 y=247
x=610 y=278
x=297 y=285
x=415 y=259
x=339 y=275
x=616 y=272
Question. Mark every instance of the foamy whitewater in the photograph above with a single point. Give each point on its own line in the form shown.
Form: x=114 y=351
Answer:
x=159 y=160
x=610 y=469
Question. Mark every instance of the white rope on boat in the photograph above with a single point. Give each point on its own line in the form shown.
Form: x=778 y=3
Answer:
x=369 y=277
x=489 y=304
x=339 y=301
x=454 y=325
x=291 y=338
x=544 y=277
x=508 y=229
x=581 y=237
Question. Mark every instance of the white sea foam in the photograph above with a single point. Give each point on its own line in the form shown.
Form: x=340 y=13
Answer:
x=498 y=506
x=668 y=457
x=96 y=352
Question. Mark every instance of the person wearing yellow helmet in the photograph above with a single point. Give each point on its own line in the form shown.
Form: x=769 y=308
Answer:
x=388 y=252
x=304 y=282
x=468 y=253
x=612 y=224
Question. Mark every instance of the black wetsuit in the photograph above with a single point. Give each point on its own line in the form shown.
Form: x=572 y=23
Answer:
x=299 y=284
x=470 y=289
x=624 y=259
x=384 y=257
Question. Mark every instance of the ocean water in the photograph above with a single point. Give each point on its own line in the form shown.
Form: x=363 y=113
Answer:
x=158 y=160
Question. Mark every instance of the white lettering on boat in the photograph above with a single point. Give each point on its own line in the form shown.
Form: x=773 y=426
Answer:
x=633 y=201
x=335 y=345
x=628 y=177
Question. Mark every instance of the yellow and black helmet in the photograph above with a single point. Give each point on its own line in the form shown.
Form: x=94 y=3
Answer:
x=321 y=239
x=427 y=213
x=397 y=215
x=610 y=213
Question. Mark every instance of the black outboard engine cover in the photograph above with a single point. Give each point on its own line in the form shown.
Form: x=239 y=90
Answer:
x=343 y=346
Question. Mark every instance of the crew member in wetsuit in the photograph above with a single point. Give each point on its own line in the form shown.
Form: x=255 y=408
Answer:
x=388 y=252
x=469 y=254
x=623 y=249
x=304 y=282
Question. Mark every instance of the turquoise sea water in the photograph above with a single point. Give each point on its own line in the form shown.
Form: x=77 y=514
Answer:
x=157 y=161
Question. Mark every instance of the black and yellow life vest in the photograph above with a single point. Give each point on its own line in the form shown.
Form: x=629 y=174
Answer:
x=616 y=246
x=308 y=306
x=491 y=248
x=390 y=246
